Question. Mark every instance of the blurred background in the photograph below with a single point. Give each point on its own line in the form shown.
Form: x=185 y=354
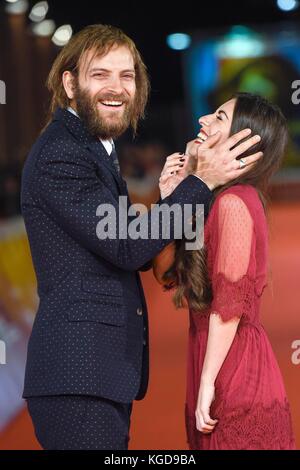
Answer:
x=197 y=54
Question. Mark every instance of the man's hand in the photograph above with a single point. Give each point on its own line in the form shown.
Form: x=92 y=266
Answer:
x=173 y=172
x=216 y=163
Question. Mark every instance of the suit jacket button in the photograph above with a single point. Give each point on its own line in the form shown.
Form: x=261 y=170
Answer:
x=144 y=342
x=139 y=311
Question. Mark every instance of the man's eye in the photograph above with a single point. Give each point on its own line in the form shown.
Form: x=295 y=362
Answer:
x=219 y=117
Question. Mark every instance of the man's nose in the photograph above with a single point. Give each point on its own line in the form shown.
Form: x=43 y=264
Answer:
x=115 y=85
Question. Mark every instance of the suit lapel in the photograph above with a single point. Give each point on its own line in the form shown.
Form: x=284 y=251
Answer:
x=101 y=157
x=94 y=146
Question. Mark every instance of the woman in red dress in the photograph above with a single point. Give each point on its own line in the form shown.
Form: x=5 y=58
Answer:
x=235 y=395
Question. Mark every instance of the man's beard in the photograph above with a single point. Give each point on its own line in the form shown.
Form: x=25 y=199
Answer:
x=99 y=125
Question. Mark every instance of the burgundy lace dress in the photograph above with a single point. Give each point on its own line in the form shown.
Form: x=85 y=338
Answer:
x=250 y=400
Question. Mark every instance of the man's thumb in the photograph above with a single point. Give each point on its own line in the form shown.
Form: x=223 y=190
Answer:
x=212 y=140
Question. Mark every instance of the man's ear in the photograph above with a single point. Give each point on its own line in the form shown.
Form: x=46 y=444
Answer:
x=68 y=83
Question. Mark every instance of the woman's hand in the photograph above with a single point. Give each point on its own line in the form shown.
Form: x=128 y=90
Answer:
x=204 y=422
x=173 y=172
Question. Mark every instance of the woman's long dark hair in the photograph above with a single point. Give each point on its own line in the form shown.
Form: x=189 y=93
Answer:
x=189 y=271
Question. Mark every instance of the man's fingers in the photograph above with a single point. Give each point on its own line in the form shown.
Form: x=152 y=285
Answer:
x=244 y=146
x=252 y=159
x=250 y=164
x=236 y=138
x=248 y=161
x=210 y=141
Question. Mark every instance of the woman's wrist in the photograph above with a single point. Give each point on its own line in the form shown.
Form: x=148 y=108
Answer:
x=207 y=380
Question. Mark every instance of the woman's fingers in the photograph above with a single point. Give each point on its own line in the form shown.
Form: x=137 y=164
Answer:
x=174 y=160
x=175 y=166
x=205 y=428
x=208 y=420
x=204 y=423
x=168 y=174
x=174 y=157
x=164 y=178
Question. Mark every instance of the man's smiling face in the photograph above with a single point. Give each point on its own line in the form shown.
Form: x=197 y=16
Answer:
x=104 y=92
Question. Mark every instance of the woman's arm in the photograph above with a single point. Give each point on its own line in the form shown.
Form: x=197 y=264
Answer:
x=220 y=337
x=231 y=244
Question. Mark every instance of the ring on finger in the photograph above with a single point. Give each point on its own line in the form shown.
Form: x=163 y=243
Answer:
x=242 y=163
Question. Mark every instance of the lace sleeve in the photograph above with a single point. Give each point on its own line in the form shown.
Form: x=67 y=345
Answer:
x=231 y=250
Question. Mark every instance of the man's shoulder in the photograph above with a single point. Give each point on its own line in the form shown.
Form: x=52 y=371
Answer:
x=55 y=141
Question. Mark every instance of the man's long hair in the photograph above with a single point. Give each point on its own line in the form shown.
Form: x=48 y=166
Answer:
x=99 y=39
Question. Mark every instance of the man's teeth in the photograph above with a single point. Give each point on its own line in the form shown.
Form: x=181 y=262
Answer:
x=201 y=136
x=112 y=103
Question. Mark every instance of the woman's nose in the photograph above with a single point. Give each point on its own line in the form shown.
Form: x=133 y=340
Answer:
x=204 y=121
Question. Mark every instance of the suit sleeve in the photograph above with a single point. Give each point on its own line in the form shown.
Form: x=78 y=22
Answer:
x=70 y=191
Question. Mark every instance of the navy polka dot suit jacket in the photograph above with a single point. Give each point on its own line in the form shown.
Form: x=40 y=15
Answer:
x=90 y=335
